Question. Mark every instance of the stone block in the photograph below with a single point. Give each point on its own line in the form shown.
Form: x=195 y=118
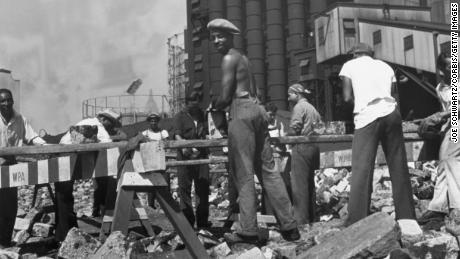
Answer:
x=287 y=251
x=78 y=244
x=253 y=253
x=114 y=247
x=5 y=254
x=220 y=251
x=42 y=230
x=374 y=236
x=442 y=246
x=21 y=237
x=22 y=224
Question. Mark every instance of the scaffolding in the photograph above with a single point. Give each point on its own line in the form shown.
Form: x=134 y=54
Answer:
x=177 y=76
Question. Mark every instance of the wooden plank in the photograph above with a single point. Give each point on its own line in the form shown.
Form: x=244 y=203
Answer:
x=173 y=144
x=180 y=223
x=211 y=160
x=122 y=213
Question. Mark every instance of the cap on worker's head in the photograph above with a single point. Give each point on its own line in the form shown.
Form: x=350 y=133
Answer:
x=153 y=116
x=110 y=114
x=223 y=25
x=362 y=48
x=298 y=89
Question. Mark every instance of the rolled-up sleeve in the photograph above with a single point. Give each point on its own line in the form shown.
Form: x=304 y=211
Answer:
x=30 y=136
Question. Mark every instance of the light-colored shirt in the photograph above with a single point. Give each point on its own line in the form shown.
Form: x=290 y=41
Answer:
x=102 y=134
x=151 y=135
x=444 y=92
x=18 y=131
x=371 y=81
x=276 y=129
x=304 y=117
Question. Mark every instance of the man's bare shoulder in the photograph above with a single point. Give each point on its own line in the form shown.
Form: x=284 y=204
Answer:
x=232 y=57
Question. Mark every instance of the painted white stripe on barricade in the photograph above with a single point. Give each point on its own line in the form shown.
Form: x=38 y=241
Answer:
x=64 y=168
x=112 y=161
x=42 y=171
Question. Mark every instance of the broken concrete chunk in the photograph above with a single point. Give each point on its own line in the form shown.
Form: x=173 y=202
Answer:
x=42 y=230
x=443 y=246
x=253 y=253
x=21 y=237
x=4 y=254
x=114 y=247
x=374 y=236
x=78 y=244
x=22 y=224
x=219 y=251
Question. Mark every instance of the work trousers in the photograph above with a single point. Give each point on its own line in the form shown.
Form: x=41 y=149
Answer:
x=65 y=215
x=447 y=189
x=249 y=152
x=388 y=131
x=105 y=193
x=8 y=211
x=198 y=174
x=305 y=160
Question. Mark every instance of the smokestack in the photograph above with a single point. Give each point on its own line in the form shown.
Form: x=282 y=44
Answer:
x=276 y=72
x=235 y=15
x=296 y=25
x=216 y=10
x=255 y=43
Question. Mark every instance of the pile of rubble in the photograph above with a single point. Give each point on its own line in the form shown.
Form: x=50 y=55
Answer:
x=376 y=236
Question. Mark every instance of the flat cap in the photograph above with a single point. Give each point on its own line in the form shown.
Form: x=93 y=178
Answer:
x=224 y=25
x=362 y=48
x=110 y=114
x=299 y=89
x=153 y=116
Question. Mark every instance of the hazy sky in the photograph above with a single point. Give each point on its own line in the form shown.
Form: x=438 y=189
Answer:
x=66 y=51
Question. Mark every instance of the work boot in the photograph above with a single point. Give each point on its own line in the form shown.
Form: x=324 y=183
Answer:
x=291 y=235
x=258 y=240
x=430 y=215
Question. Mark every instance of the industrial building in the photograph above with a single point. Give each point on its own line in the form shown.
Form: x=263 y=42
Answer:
x=307 y=41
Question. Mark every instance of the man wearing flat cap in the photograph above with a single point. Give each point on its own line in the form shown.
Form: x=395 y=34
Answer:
x=304 y=157
x=249 y=149
x=371 y=85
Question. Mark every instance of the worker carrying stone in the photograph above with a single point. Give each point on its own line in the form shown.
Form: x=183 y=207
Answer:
x=371 y=84
x=249 y=150
x=304 y=157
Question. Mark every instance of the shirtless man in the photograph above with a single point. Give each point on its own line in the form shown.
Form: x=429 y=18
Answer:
x=249 y=150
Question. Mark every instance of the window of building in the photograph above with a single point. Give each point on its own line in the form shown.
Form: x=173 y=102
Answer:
x=377 y=37
x=304 y=66
x=321 y=35
x=198 y=66
x=198 y=58
x=408 y=42
x=349 y=28
x=198 y=85
x=445 y=47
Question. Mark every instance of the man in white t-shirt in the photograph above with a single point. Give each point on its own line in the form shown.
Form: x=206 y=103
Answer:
x=370 y=83
x=155 y=132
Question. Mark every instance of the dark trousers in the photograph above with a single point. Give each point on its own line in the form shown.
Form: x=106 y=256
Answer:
x=305 y=160
x=387 y=131
x=103 y=191
x=65 y=215
x=249 y=151
x=198 y=174
x=8 y=211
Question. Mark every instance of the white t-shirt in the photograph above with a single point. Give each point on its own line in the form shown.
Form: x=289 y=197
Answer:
x=162 y=134
x=371 y=80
